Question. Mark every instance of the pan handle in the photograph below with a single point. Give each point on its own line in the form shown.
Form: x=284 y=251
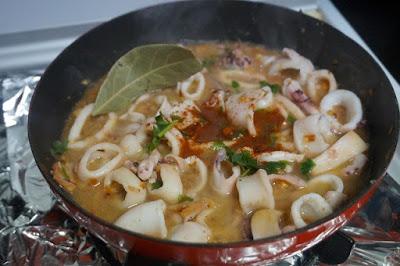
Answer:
x=335 y=249
x=341 y=248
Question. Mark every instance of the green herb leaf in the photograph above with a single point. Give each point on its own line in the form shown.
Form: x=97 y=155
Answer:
x=58 y=148
x=243 y=159
x=161 y=127
x=291 y=119
x=235 y=84
x=246 y=162
x=208 y=62
x=275 y=88
x=183 y=198
x=275 y=167
x=306 y=167
x=263 y=83
x=156 y=184
x=142 y=69
x=64 y=173
x=218 y=145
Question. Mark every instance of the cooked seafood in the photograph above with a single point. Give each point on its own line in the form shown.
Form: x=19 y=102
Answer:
x=257 y=143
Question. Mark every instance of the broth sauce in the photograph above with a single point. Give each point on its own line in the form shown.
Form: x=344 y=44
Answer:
x=226 y=219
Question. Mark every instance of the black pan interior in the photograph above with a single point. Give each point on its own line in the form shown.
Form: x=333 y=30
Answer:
x=92 y=55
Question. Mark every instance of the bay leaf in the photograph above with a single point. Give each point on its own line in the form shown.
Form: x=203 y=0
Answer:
x=143 y=69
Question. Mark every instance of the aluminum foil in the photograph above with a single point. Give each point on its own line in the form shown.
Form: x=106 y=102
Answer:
x=34 y=231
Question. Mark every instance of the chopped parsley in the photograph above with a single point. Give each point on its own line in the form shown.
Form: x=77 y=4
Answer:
x=243 y=159
x=183 y=198
x=275 y=88
x=275 y=167
x=208 y=62
x=263 y=83
x=218 y=145
x=247 y=163
x=291 y=119
x=306 y=167
x=58 y=147
x=64 y=173
x=235 y=85
x=161 y=127
x=156 y=184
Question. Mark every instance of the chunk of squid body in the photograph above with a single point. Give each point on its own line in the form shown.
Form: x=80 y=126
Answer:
x=191 y=232
x=240 y=107
x=276 y=156
x=348 y=146
x=172 y=185
x=146 y=218
x=135 y=192
x=220 y=183
x=312 y=134
x=255 y=192
x=132 y=147
x=265 y=223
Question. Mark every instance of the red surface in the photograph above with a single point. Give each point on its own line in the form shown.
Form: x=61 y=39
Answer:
x=247 y=252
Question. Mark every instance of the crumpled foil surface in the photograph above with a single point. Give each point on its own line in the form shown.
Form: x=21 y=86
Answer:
x=34 y=231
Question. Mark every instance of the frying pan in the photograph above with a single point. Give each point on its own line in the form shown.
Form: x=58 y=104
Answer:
x=92 y=55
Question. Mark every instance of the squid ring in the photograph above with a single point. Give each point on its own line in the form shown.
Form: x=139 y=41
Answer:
x=85 y=173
